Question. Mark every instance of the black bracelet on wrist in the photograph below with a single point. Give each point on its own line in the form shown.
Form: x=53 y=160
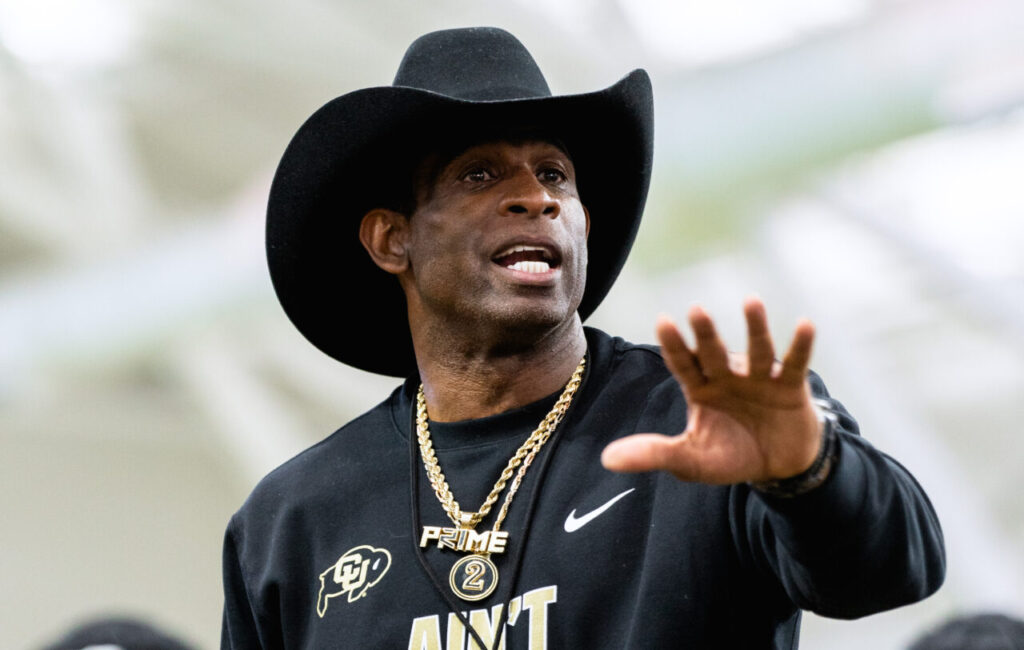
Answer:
x=814 y=475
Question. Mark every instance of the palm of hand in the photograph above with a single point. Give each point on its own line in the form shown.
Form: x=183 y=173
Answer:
x=750 y=418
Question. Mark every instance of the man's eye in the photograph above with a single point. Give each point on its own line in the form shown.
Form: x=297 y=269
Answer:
x=478 y=175
x=552 y=175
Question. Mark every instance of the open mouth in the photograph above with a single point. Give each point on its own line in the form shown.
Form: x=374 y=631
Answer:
x=528 y=259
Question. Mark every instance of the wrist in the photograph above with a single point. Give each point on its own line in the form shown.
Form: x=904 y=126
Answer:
x=820 y=467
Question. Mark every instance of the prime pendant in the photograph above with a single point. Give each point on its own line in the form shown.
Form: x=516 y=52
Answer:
x=474 y=577
x=465 y=539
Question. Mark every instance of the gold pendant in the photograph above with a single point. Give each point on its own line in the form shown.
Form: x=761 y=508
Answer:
x=465 y=540
x=474 y=577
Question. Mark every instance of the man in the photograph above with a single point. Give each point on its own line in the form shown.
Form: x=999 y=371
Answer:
x=981 y=631
x=117 y=633
x=456 y=228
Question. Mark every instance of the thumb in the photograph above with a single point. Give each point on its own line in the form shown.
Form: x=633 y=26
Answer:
x=645 y=452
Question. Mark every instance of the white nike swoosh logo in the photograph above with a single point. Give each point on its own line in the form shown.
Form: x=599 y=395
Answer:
x=574 y=523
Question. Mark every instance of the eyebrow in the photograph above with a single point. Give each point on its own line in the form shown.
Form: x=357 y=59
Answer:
x=485 y=154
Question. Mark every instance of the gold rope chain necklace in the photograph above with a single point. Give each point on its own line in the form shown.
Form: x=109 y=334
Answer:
x=475 y=576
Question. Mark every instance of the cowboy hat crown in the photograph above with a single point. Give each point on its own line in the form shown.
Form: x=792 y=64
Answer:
x=476 y=64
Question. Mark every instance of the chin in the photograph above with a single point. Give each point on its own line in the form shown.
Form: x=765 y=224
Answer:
x=526 y=323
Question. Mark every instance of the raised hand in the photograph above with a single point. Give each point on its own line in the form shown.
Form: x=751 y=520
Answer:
x=750 y=418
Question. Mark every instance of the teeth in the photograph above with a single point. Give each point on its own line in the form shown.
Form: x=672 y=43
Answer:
x=519 y=249
x=531 y=267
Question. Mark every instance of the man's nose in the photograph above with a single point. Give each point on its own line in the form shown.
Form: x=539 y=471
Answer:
x=527 y=196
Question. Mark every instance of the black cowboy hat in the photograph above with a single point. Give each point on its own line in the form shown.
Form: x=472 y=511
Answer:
x=358 y=152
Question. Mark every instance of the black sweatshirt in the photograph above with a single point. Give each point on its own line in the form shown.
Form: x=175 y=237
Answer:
x=324 y=554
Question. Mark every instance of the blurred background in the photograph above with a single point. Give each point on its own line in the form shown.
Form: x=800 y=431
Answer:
x=858 y=162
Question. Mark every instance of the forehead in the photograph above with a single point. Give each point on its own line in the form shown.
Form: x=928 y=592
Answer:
x=506 y=146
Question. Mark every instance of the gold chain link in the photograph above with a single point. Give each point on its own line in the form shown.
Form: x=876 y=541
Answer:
x=524 y=456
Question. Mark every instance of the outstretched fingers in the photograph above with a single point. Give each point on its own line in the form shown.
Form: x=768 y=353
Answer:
x=711 y=352
x=760 y=348
x=647 y=452
x=798 y=358
x=678 y=357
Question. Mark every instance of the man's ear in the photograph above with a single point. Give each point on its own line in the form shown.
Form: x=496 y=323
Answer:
x=586 y=213
x=384 y=234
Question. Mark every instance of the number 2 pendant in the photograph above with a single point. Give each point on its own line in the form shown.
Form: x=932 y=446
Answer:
x=474 y=577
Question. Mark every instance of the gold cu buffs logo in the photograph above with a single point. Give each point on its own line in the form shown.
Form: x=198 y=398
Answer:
x=356 y=571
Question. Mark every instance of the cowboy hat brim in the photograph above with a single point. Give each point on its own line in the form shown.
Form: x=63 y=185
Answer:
x=330 y=176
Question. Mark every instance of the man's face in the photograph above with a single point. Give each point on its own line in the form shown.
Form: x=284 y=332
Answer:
x=499 y=237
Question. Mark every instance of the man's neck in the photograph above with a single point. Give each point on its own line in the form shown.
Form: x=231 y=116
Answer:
x=468 y=380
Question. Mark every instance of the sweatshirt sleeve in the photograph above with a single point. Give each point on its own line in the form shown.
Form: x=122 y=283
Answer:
x=864 y=541
x=238 y=630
